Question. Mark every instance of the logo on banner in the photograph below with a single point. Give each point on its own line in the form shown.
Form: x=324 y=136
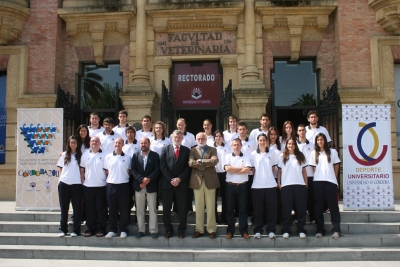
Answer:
x=197 y=93
x=368 y=160
x=38 y=137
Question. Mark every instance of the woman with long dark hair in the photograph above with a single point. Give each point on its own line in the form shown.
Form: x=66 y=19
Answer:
x=287 y=132
x=70 y=186
x=264 y=188
x=275 y=148
x=325 y=162
x=292 y=180
x=84 y=139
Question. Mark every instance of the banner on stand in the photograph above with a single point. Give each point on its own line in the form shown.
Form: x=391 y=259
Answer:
x=367 y=158
x=39 y=144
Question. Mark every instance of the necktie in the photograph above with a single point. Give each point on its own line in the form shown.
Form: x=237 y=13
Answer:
x=176 y=152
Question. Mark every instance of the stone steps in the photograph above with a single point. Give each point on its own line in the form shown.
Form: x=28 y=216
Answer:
x=200 y=254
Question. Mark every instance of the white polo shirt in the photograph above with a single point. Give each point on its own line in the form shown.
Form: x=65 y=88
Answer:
x=140 y=134
x=93 y=132
x=256 y=132
x=70 y=173
x=93 y=163
x=118 y=167
x=277 y=153
x=107 y=141
x=324 y=170
x=248 y=146
x=210 y=140
x=121 y=131
x=84 y=149
x=188 y=140
x=131 y=149
x=229 y=136
x=263 y=163
x=237 y=161
x=312 y=133
x=291 y=171
x=157 y=145
x=306 y=148
x=222 y=151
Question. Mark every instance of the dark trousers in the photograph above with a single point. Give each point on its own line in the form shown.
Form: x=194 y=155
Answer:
x=189 y=199
x=264 y=200
x=279 y=205
x=66 y=194
x=294 y=195
x=326 y=191
x=221 y=192
x=250 y=209
x=310 y=198
x=96 y=208
x=181 y=199
x=236 y=194
x=118 y=203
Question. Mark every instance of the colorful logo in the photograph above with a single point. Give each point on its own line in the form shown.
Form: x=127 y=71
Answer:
x=197 y=93
x=38 y=137
x=368 y=160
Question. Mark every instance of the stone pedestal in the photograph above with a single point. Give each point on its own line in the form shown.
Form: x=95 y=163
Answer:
x=139 y=103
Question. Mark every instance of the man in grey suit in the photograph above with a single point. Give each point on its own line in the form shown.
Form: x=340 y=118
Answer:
x=204 y=181
x=174 y=166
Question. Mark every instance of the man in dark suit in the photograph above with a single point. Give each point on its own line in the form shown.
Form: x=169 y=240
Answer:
x=174 y=166
x=145 y=168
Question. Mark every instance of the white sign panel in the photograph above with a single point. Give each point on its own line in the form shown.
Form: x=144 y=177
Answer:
x=39 y=143
x=397 y=106
x=367 y=158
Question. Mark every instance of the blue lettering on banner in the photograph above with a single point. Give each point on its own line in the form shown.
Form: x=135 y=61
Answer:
x=3 y=118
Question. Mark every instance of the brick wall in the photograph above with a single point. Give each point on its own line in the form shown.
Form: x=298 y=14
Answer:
x=356 y=24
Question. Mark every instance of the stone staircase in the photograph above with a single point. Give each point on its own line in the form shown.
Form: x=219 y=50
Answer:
x=366 y=236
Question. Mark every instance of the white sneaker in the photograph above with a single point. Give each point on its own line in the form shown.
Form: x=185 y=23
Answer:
x=123 y=235
x=302 y=235
x=271 y=235
x=285 y=235
x=111 y=234
x=249 y=222
x=73 y=234
x=61 y=234
x=237 y=222
x=71 y=222
x=318 y=235
x=295 y=222
x=257 y=236
x=293 y=212
x=313 y=222
x=335 y=235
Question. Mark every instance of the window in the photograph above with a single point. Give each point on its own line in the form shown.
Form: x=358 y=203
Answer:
x=295 y=91
x=99 y=91
x=3 y=117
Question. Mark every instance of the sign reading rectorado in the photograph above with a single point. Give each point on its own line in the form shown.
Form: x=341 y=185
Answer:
x=196 y=43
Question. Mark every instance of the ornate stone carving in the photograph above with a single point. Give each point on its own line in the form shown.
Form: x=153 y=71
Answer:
x=387 y=14
x=295 y=24
x=97 y=29
x=13 y=14
x=163 y=61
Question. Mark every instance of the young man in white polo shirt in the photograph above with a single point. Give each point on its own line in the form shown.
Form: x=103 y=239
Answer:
x=117 y=166
x=313 y=129
x=248 y=146
x=207 y=126
x=146 y=130
x=231 y=133
x=307 y=148
x=95 y=128
x=108 y=136
x=94 y=188
x=264 y=125
x=237 y=166
x=121 y=127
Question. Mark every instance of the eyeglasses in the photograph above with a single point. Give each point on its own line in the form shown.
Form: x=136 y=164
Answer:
x=94 y=141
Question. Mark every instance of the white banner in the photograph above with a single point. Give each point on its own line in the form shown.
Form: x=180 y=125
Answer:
x=39 y=144
x=367 y=158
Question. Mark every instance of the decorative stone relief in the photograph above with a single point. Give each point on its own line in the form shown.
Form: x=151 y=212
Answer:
x=294 y=24
x=13 y=14
x=387 y=14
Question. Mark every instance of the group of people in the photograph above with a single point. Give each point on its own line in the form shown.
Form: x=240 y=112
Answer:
x=261 y=178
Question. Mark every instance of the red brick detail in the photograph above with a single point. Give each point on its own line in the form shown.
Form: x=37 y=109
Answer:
x=4 y=61
x=326 y=56
x=85 y=53
x=309 y=48
x=395 y=52
x=113 y=52
x=279 y=48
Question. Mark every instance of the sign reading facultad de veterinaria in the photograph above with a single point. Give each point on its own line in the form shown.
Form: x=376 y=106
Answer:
x=39 y=143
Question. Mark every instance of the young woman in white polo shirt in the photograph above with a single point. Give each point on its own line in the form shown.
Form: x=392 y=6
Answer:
x=287 y=132
x=275 y=148
x=292 y=180
x=325 y=162
x=264 y=188
x=70 y=186
x=222 y=150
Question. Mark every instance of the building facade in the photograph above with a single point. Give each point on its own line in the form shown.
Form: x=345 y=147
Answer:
x=276 y=56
